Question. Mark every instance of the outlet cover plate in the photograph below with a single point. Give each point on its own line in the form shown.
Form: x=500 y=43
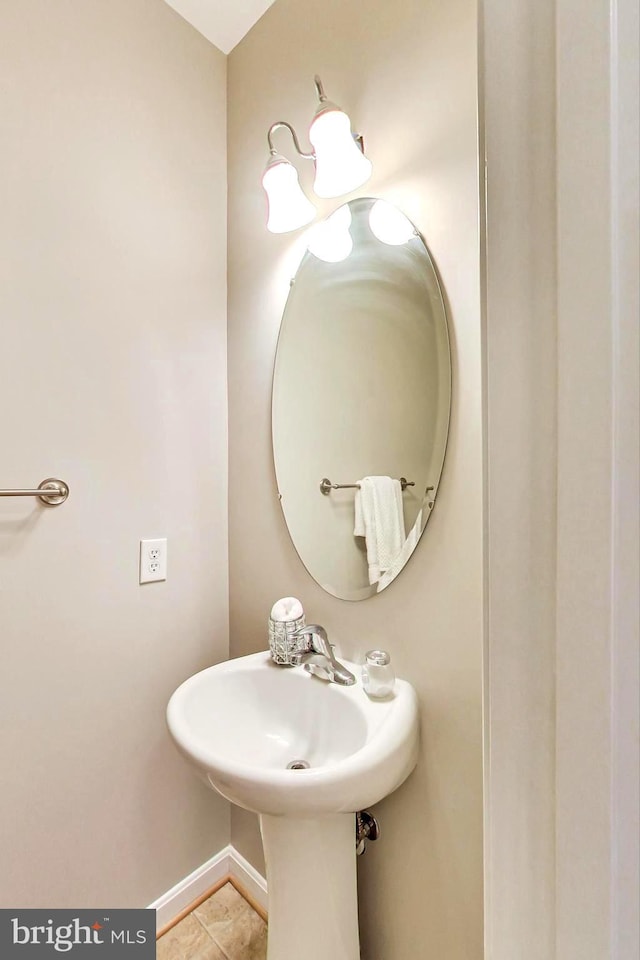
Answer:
x=153 y=560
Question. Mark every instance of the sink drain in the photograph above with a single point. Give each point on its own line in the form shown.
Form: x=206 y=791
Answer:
x=298 y=765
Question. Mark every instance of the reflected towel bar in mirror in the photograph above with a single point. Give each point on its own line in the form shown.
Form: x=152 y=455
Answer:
x=326 y=486
x=52 y=492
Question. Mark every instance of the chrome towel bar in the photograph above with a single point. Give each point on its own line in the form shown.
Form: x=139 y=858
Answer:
x=51 y=491
x=326 y=486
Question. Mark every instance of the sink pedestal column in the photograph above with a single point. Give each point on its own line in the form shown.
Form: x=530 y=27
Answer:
x=312 y=886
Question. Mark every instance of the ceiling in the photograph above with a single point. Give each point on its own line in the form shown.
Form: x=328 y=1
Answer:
x=223 y=22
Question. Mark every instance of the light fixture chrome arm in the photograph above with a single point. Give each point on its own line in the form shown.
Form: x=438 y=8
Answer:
x=283 y=123
x=319 y=89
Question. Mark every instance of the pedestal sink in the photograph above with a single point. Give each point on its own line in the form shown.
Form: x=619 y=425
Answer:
x=305 y=755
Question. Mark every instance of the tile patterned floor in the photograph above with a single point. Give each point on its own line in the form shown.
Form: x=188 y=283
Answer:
x=224 y=927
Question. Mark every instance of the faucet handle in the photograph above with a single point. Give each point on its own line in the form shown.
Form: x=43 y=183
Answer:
x=308 y=634
x=318 y=665
x=316 y=653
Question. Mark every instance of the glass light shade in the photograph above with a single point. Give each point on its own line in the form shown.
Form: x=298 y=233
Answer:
x=289 y=209
x=340 y=164
x=389 y=224
x=331 y=240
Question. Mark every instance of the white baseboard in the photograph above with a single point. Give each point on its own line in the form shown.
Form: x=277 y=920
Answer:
x=226 y=863
x=248 y=877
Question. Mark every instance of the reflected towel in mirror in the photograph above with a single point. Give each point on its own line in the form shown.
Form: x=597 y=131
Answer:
x=379 y=518
x=407 y=549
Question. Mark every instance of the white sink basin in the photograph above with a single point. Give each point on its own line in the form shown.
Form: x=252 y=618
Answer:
x=243 y=721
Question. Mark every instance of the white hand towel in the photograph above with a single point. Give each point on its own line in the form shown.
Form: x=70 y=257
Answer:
x=379 y=518
x=407 y=549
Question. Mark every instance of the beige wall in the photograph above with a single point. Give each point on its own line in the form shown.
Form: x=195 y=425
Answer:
x=562 y=383
x=112 y=376
x=597 y=598
x=406 y=72
x=521 y=357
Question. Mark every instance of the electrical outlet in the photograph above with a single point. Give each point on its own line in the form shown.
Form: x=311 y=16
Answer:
x=153 y=560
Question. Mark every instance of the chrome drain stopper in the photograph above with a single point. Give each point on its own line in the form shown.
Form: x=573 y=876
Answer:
x=298 y=765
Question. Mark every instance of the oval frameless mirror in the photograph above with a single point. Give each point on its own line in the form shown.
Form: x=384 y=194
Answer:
x=361 y=389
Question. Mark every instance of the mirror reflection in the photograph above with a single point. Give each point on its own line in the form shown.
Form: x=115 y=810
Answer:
x=361 y=398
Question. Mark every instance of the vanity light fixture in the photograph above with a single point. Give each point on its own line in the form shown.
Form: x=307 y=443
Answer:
x=340 y=164
x=289 y=209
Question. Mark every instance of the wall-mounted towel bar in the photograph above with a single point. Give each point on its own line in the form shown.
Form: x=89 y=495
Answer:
x=51 y=491
x=326 y=486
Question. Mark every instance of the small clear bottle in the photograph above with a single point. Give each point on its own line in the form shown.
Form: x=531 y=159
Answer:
x=378 y=678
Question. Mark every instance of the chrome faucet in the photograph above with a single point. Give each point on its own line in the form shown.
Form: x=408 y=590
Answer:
x=316 y=653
